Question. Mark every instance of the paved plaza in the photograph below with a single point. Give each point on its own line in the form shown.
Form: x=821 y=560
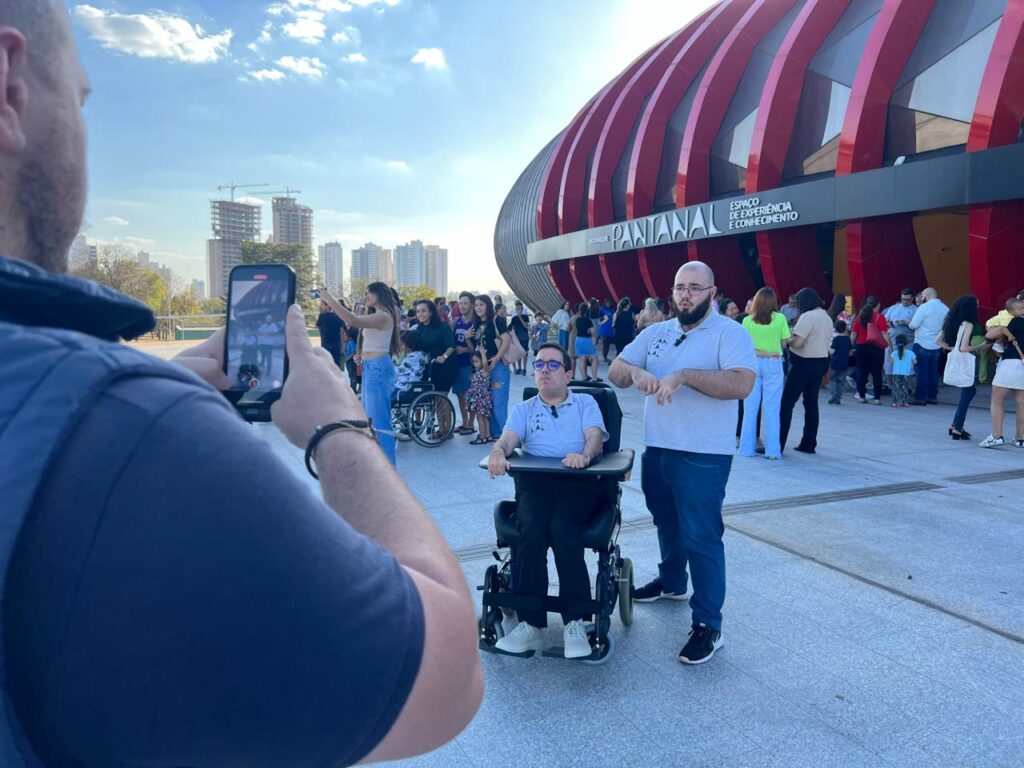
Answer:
x=874 y=615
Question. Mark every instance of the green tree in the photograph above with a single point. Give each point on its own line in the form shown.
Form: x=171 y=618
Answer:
x=296 y=256
x=127 y=276
x=410 y=294
x=357 y=290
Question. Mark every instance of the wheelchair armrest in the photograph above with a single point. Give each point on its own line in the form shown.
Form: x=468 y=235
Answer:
x=618 y=464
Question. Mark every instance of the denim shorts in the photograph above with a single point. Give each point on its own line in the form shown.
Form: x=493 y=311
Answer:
x=585 y=348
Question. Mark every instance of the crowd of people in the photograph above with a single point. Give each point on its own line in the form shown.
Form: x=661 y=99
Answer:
x=472 y=346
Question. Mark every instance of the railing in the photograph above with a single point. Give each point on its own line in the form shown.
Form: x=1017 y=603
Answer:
x=197 y=327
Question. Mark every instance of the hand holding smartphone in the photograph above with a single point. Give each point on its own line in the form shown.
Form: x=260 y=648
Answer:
x=255 y=359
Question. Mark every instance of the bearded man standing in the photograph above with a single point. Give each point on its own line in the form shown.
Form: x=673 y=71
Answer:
x=693 y=368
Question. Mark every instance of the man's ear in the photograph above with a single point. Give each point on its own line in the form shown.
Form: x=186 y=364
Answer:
x=13 y=90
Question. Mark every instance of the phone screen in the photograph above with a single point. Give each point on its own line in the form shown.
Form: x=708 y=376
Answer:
x=254 y=356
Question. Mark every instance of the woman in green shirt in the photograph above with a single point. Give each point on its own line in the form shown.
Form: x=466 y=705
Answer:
x=770 y=332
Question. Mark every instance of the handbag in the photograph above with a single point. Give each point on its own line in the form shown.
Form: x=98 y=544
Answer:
x=514 y=352
x=959 y=365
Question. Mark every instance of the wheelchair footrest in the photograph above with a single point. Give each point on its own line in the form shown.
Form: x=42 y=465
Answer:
x=498 y=652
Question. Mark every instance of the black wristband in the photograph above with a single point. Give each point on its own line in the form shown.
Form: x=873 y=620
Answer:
x=363 y=427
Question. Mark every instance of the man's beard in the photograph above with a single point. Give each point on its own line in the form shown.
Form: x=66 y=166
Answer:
x=48 y=199
x=696 y=314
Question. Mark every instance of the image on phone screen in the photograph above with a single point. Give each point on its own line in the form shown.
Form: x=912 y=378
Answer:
x=255 y=358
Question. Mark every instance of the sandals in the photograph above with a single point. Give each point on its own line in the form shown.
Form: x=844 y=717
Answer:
x=479 y=441
x=465 y=431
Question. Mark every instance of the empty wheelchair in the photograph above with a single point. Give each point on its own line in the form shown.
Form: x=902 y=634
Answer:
x=422 y=414
x=613 y=586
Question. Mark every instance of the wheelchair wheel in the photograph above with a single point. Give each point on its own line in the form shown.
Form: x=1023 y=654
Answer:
x=398 y=426
x=431 y=419
x=625 y=582
x=605 y=648
x=490 y=622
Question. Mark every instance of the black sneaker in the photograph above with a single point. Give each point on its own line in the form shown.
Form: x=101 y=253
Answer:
x=654 y=590
x=701 y=646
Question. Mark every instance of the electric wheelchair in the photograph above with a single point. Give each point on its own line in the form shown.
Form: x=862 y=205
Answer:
x=422 y=414
x=614 y=581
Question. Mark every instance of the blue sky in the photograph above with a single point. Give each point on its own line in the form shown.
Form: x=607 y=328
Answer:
x=397 y=119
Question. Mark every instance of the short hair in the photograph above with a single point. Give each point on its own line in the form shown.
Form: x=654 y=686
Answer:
x=907 y=292
x=412 y=342
x=518 y=303
x=1012 y=302
x=840 y=326
x=566 y=361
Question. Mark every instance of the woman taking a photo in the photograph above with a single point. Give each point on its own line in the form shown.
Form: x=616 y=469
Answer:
x=870 y=337
x=490 y=335
x=770 y=332
x=378 y=342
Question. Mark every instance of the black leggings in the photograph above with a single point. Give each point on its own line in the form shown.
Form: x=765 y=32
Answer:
x=870 y=361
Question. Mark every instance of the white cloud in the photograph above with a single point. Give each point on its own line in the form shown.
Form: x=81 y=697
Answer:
x=267 y=74
x=430 y=58
x=157 y=35
x=307 y=27
x=251 y=200
x=368 y=3
x=265 y=33
x=354 y=58
x=398 y=166
x=303 y=65
x=116 y=221
x=347 y=35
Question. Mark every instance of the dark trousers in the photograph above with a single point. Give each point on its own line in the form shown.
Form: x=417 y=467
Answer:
x=553 y=512
x=684 y=492
x=927 y=373
x=870 y=361
x=804 y=380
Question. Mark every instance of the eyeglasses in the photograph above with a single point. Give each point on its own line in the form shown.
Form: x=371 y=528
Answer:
x=551 y=365
x=690 y=290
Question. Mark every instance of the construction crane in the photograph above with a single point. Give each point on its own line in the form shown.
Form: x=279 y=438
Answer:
x=232 y=186
x=287 y=192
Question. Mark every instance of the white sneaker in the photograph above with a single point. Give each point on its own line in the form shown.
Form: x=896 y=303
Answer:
x=991 y=442
x=860 y=399
x=522 y=639
x=575 y=638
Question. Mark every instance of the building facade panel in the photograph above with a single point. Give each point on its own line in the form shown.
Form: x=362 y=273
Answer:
x=860 y=146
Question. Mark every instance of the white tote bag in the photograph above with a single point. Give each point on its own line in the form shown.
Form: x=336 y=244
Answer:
x=959 y=365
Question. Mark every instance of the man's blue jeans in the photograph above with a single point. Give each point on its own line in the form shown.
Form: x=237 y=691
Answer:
x=684 y=493
x=927 y=373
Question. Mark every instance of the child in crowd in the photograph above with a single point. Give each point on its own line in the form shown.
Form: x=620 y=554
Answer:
x=412 y=369
x=840 y=361
x=539 y=333
x=478 y=400
x=903 y=361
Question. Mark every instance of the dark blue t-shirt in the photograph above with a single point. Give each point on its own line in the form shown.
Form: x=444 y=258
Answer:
x=330 y=326
x=179 y=596
x=841 y=348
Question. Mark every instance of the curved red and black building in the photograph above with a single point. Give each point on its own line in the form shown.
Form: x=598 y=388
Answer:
x=856 y=146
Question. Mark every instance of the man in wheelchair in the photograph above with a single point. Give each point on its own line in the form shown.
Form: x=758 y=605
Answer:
x=553 y=511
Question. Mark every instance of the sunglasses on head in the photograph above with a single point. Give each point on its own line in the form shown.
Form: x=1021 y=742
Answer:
x=551 y=365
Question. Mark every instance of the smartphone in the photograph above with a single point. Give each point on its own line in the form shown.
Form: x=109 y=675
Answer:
x=314 y=294
x=255 y=360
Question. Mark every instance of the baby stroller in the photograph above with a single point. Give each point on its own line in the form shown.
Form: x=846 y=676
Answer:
x=614 y=582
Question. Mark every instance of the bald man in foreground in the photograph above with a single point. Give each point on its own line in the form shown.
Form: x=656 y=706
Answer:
x=693 y=369
x=173 y=594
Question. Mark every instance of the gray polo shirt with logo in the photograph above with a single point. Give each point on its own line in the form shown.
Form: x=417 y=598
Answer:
x=692 y=421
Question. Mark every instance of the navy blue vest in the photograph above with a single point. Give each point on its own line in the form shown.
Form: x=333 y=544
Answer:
x=58 y=353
